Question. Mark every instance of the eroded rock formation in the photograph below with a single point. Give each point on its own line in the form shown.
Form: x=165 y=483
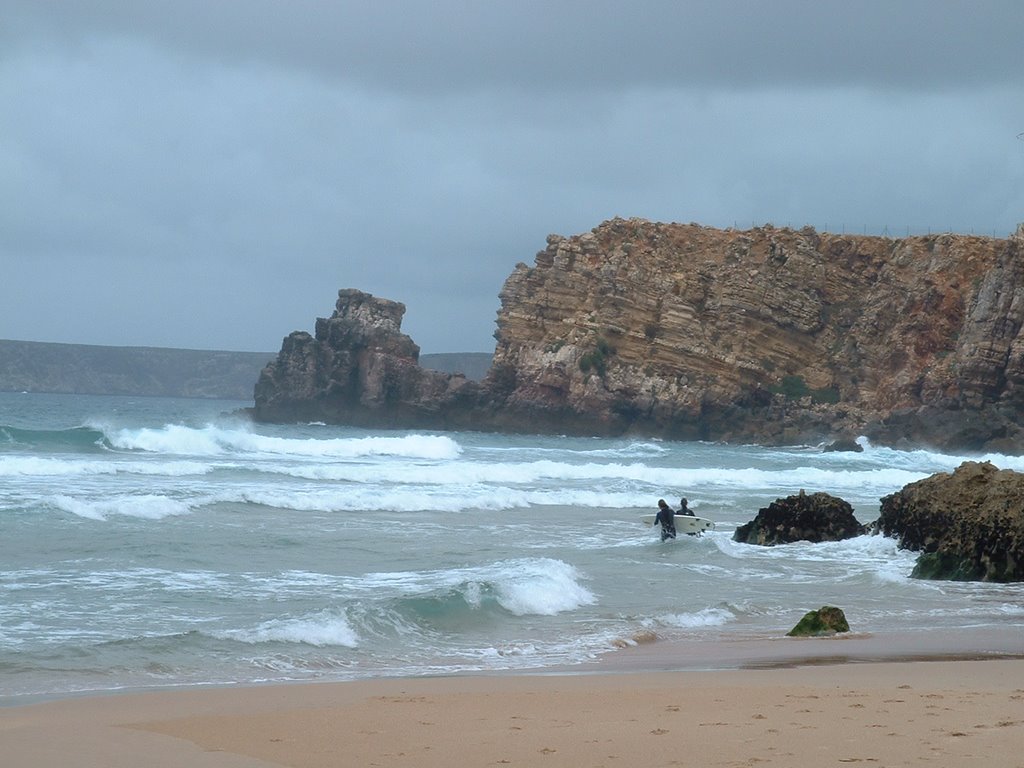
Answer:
x=770 y=335
x=968 y=525
x=812 y=517
x=360 y=369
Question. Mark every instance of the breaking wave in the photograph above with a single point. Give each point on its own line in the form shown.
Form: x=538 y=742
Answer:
x=214 y=440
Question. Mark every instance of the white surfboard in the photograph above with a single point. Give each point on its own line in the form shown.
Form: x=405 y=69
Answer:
x=685 y=523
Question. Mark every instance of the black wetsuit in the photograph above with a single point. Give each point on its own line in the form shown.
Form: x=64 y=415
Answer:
x=667 y=518
x=685 y=510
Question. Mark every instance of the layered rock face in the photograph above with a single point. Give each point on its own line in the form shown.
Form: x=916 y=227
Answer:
x=360 y=369
x=968 y=525
x=770 y=335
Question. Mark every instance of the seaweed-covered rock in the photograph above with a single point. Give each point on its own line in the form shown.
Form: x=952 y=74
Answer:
x=817 y=517
x=968 y=525
x=827 y=620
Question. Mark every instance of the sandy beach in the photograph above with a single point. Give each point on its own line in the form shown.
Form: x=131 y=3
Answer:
x=879 y=713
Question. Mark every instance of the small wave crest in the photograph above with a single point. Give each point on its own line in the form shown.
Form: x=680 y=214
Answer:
x=150 y=507
x=39 y=466
x=320 y=629
x=528 y=586
x=213 y=440
x=636 y=449
x=924 y=461
x=418 y=608
x=707 y=617
x=543 y=587
x=560 y=475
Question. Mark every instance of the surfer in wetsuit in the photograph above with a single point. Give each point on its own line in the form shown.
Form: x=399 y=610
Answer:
x=667 y=518
x=685 y=510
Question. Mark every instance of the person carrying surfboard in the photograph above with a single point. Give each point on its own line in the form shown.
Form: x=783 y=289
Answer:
x=667 y=518
x=685 y=510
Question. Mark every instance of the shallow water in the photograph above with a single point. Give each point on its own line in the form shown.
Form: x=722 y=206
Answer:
x=169 y=542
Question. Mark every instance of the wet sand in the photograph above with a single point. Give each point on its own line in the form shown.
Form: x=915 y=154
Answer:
x=799 y=703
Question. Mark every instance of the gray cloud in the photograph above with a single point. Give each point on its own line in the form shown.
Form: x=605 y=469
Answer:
x=209 y=174
x=452 y=45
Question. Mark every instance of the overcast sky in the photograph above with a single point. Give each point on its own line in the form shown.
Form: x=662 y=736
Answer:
x=208 y=173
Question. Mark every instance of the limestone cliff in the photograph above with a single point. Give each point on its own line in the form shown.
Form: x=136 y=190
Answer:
x=769 y=335
x=774 y=335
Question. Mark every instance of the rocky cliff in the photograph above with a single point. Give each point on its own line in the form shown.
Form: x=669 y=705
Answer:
x=360 y=369
x=770 y=335
x=773 y=335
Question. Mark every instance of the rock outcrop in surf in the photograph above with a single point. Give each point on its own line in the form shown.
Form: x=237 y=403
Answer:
x=968 y=525
x=814 y=517
x=360 y=369
x=768 y=335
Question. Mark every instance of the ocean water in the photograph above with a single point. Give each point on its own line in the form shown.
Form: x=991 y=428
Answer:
x=153 y=542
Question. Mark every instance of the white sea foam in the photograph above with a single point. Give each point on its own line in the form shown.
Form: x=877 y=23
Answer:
x=146 y=506
x=930 y=462
x=629 y=450
x=490 y=486
x=319 y=551
x=638 y=449
x=213 y=440
x=526 y=586
x=542 y=587
x=707 y=617
x=399 y=499
x=325 y=628
x=449 y=492
x=859 y=552
x=34 y=466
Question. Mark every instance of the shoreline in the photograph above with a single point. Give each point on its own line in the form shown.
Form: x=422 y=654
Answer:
x=761 y=652
x=660 y=655
x=890 y=700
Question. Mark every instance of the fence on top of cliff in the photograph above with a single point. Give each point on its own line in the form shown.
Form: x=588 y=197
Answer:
x=893 y=231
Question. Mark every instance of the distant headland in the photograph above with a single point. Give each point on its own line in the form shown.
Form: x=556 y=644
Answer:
x=768 y=335
x=30 y=366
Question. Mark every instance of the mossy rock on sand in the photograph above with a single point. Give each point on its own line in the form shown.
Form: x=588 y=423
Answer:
x=827 y=620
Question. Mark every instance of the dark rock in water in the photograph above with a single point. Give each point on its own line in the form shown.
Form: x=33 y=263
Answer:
x=968 y=525
x=827 y=620
x=815 y=518
x=361 y=370
x=846 y=444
